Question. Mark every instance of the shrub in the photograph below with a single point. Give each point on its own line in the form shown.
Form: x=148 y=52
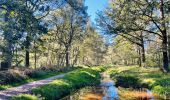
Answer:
x=162 y=87
x=162 y=91
x=165 y=82
x=12 y=75
x=24 y=97
x=128 y=81
x=37 y=73
x=73 y=80
x=113 y=73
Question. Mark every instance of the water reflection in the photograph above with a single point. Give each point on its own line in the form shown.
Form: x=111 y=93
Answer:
x=95 y=93
x=87 y=93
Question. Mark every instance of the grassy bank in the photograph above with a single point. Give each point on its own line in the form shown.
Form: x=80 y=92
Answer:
x=71 y=82
x=136 y=77
x=17 y=77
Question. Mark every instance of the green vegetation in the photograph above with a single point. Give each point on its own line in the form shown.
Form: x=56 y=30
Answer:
x=127 y=81
x=43 y=38
x=25 y=97
x=16 y=77
x=151 y=78
x=139 y=29
x=71 y=82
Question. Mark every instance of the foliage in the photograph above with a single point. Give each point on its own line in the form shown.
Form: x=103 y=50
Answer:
x=72 y=81
x=164 y=91
x=128 y=81
x=12 y=76
x=37 y=73
x=139 y=23
x=25 y=97
x=151 y=78
x=16 y=77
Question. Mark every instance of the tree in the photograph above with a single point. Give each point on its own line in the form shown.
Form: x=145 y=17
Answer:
x=128 y=16
x=69 y=27
x=93 y=48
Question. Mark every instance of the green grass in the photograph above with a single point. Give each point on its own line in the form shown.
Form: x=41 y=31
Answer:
x=71 y=82
x=25 y=97
x=152 y=78
x=31 y=79
x=47 y=75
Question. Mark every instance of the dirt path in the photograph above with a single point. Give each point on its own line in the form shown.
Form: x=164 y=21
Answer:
x=6 y=94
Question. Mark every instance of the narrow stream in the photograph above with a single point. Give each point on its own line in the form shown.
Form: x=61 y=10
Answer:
x=99 y=92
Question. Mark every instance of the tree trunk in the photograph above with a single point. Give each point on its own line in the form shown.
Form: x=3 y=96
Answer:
x=142 y=46
x=169 y=46
x=35 y=55
x=164 y=39
x=8 y=37
x=35 y=59
x=165 y=53
x=16 y=59
x=140 y=57
x=27 y=64
x=67 y=57
x=143 y=59
x=27 y=53
x=9 y=54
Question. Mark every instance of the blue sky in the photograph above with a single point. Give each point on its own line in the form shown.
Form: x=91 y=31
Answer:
x=94 y=6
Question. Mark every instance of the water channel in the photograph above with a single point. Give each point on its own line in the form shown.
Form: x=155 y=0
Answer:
x=98 y=92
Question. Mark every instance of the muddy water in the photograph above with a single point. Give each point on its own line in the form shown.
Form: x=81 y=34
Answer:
x=95 y=93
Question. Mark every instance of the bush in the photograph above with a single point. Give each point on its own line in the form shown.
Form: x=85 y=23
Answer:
x=24 y=97
x=165 y=82
x=37 y=73
x=162 y=91
x=72 y=81
x=128 y=81
x=12 y=75
x=162 y=87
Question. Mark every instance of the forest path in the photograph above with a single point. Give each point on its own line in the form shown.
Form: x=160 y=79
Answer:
x=7 y=94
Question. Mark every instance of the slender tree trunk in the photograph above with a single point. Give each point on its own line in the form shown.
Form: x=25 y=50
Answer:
x=8 y=37
x=27 y=64
x=35 y=55
x=169 y=46
x=142 y=46
x=140 y=58
x=35 y=59
x=143 y=54
x=9 y=54
x=165 y=53
x=143 y=59
x=164 y=39
x=16 y=57
x=143 y=50
x=67 y=57
x=27 y=53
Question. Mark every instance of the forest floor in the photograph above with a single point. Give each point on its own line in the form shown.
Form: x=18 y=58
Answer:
x=6 y=94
